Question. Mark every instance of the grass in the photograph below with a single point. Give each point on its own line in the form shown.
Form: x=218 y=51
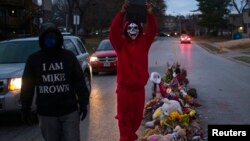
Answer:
x=210 y=38
x=231 y=45
x=243 y=47
x=241 y=44
x=210 y=47
x=93 y=42
x=245 y=59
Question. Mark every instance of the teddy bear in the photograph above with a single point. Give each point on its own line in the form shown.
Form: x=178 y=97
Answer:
x=170 y=106
x=195 y=131
x=165 y=110
x=151 y=131
x=178 y=134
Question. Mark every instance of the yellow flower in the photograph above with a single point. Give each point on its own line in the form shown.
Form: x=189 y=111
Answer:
x=165 y=121
x=184 y=119
x=192 y=113
x=174 y=116
x=157 y=113
x=162 y=122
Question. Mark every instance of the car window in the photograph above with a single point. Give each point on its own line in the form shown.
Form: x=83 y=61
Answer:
x=105 y=45
x=17 y=51
x=69 y=45
x=81 y=47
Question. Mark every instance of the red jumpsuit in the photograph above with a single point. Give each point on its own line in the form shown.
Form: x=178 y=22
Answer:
x=132 y=74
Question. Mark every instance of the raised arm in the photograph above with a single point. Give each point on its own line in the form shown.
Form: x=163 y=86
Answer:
x=116 y=28
x=151 y=27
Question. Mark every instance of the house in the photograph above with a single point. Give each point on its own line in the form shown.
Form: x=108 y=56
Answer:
x=246 y=20
x=241 y=22
x=19 y=17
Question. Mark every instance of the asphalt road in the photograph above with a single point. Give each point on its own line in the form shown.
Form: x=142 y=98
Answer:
x=222 y=85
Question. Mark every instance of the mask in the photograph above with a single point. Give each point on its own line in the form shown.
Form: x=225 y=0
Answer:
x=50 y=41
x=133 y=30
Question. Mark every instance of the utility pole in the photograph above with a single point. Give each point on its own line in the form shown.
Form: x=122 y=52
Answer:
x=66 y=22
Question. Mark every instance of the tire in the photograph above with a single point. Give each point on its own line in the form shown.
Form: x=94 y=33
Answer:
x=95 y=73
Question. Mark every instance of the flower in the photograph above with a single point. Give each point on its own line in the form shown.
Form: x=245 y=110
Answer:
x=174 y=116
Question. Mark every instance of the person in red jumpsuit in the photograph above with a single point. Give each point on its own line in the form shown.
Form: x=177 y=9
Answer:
x=132 y=45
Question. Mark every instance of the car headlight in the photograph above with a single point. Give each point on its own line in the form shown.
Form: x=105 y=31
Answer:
x=15 y=84
x=93 y=59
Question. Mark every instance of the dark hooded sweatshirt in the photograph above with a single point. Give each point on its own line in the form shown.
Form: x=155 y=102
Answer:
x=56 y=77
x=132 y=55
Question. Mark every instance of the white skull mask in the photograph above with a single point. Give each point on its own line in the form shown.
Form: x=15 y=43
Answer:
x=133 y=30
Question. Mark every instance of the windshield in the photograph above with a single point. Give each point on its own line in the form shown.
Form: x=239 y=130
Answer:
x=104 y=45
x=17 y=51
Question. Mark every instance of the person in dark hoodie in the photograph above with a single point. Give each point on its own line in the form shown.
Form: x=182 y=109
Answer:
x=56 y=77
x=132 y=46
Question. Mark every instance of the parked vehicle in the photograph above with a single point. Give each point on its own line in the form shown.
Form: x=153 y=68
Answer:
x=13 y=55
x=104 y=58
x=184 y=38
x=162 y=34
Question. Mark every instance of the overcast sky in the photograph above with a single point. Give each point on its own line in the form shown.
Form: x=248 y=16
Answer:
x=183 y=7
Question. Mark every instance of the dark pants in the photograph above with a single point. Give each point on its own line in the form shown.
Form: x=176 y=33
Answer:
x=130 y=106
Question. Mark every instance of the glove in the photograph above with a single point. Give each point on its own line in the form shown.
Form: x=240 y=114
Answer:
x=83 y=112
x=26 y=116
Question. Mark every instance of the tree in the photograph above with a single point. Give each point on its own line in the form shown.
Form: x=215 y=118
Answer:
x=213 y=14
x=69 y=8
x=96 y=15
x=160 y=8
x=239 y=5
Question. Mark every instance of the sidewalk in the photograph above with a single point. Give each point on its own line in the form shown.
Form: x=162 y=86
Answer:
x=237 y=54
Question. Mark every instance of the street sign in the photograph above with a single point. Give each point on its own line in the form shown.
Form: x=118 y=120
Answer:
x=76 y=20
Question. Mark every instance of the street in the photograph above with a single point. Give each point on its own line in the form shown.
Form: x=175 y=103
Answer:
x=222 y=86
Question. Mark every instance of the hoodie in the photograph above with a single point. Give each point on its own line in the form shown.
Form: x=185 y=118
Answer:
x=132 y=65
x=55 y=76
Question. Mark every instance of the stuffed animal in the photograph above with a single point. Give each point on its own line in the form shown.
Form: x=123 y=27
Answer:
x=178 y=134
x=195 y=131
x=149 y=132
x=155 y=77
x=170 y=106
x=163 y=111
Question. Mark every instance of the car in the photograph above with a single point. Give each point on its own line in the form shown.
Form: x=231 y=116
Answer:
x=162 y=34
x=66 y=33
x=104 y=58
x=184 y=38
x=13 y=55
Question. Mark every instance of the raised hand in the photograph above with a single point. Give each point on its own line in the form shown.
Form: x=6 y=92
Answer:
x=124 y=6
x=149 y=6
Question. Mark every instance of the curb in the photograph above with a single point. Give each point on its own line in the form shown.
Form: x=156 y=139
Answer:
x=223 y=51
